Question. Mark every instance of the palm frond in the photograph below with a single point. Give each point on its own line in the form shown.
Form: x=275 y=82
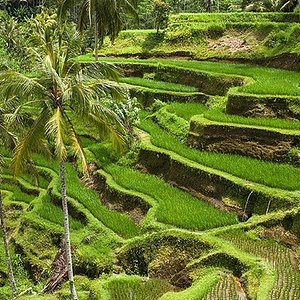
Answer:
x=17 y=84
x=32 y=142
x=63 y=7
x=77 y=147
x=56 y=129
x=109 y=127
x=110 y=88
x=80 y=97
x=7 y=137
x=52 y=71
x=102 y=70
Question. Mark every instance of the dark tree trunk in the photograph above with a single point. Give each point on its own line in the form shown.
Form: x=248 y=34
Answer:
x=67 y=231
x=60 y=270
x=5 y=243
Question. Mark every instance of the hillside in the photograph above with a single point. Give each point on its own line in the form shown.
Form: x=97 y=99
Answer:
x=263 y=38
x=205 y=203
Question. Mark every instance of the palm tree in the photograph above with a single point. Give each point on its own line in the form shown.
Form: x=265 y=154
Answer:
x=63 y=94
x=273 y=5
x=106 y=16
x=11 y=277
x=8 y=118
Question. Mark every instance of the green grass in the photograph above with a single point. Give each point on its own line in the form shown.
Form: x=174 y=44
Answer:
x=287 y=279
x=119 y=223
x=219 y=116
x=41 y=181
x=267 y=34
x=48 y=211
x=158 y=85
x=275 y=175
x=234 y=17
x=17 y=195
x=175 y=207
x=188 y=110
x=116 y=221
x=265 y=81
x=125 y=287
x=199 y=288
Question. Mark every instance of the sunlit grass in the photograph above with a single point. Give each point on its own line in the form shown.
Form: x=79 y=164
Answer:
x=188 y=110
x=116 y=221
x=266 y=81
x=18 y=194
x=158 y=85
x=175 y=207
x=276 y=175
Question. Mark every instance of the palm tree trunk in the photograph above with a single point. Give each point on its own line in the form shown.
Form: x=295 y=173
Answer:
x=67 y=231
x=299 y=9
x=5 y=242
x=96 y=40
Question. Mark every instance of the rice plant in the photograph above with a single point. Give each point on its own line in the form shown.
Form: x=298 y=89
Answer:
x=175 y=207
x=158 y=85
x=287 y=277
x=282 y=176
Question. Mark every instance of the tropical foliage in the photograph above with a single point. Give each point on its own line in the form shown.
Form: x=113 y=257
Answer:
x=155 y=161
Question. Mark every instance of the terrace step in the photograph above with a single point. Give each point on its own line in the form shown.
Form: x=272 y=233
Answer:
x=135 y=205
x=165 y=201
x=228 y=287
x=268 y=106
x=283 y=260
x=147 y=96
x=266 y=143
x=86 y=210
x=206 y=82
x=211 y=182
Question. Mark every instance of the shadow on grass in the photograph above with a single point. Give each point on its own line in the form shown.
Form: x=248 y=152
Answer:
x=152 y=40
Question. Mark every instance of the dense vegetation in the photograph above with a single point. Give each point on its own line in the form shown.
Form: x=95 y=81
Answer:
x=149 y=150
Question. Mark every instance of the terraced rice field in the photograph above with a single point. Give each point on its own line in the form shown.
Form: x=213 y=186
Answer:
x=282 y=260
x=138 y=229
x=226 y=288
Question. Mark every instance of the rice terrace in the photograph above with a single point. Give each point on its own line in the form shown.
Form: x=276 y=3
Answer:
x=150 y=150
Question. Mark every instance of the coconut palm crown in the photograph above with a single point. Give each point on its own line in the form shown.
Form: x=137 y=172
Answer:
x=61 y=94
x=106 y=16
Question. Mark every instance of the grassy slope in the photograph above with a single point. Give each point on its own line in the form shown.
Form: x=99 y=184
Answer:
x=158 y=190
x=261 y=80
x=158 y=85
x=90 y=199
x=176 y=207
x=280 y=176
x=121 y=287
x=265 y=34
x=287 y=279
x=188 y=110
x=205 y=121
x=199 y=288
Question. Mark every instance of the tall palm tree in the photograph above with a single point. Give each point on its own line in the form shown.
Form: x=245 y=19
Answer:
x=11 y=277
x=106 y=16
x=10 y=118
x=63 y=94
